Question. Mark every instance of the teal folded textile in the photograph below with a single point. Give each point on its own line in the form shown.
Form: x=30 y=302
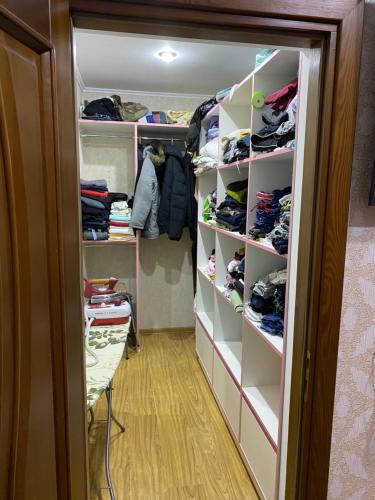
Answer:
x=120 y=218
x=236 y=301
x=262 y=56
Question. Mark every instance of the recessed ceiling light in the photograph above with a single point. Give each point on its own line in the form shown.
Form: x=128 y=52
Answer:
x=167 y=55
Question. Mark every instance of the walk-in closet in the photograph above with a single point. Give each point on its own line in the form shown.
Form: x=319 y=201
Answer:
x=194 y=160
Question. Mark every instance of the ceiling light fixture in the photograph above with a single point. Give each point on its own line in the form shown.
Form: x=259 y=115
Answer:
x=167 y=55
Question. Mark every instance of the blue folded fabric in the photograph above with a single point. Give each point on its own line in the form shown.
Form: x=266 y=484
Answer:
x=94 y=187
x=273 y=324
x=92 y=203
x=233 y=219
x=231 y=203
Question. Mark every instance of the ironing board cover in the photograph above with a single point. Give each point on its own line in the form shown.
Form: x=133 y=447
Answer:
x=109 y=342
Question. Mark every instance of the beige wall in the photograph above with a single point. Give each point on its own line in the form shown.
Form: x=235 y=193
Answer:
x=166 y=283
x=352 y=470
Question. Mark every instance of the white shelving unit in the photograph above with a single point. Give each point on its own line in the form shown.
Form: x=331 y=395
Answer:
x=243 y=363
x=108 y=150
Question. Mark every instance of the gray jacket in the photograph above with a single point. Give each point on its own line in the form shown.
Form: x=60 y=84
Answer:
x=146 y=202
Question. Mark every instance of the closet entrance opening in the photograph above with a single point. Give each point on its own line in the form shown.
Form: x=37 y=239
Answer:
x=197 y=166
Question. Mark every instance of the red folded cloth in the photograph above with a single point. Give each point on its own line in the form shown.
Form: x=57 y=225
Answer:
x=280 y=99
x=120 y=224
x=110 y=321
x=94 y=193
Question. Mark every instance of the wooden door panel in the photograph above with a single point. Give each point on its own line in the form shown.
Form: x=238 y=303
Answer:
x=22 y=125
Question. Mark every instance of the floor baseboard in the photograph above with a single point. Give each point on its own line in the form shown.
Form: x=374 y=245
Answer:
x=177 y=329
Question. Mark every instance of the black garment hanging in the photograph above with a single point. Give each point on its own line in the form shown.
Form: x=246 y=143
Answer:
x=193 y=135
x=173 y=201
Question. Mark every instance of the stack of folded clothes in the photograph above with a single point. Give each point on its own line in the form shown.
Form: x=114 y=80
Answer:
x=171 y=116
x=268 y=210
x=208 y=157
x=279 y=236
x=234 y=284
x=181 y=117
x=132 y=111
x=236 y=146
x=95 y=209
x=231 y=213
x=213 y=128
x=113 y=109
x=209 y=207
x=267 y=302
x=279 y=119
x=104 y=109
x=119 y=220
x=156 y=117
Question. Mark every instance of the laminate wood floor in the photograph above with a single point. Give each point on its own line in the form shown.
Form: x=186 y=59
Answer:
x=176 y=445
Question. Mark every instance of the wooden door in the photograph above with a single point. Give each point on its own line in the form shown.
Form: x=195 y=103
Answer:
x=42 y=411
x=26 y=301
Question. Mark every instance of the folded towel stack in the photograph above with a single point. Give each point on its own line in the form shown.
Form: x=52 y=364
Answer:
x=231 y=213
x=119 y=220
x=236 y=145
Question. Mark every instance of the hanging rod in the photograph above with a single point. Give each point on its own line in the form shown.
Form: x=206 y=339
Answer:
x=133 y=137
x=161 y=138
x=108 y=136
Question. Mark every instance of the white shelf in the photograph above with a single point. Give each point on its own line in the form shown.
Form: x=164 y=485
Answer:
x=265 y=401
x=205 y=275
x=206 y=225
x=106 y=128
x=275 y=341
x=221 y=290
x=234 y=165
x=248 y=362
x=231 y=352
x=128 y=129
x=266 y=246
x=207 y=321
x=106 y=243
x=279 y=63
x=232 y=234
x=162 y=129
x=283 y=154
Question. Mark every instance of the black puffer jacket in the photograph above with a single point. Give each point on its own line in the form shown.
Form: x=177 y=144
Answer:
x=173 y=202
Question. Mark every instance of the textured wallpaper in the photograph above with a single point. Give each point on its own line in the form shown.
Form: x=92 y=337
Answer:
x=352 y=471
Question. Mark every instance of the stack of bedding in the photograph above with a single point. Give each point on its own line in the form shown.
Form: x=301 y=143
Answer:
x=119 y=220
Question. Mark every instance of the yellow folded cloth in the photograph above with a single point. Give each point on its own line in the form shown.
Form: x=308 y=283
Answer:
x=121 y=237
x=179 y=116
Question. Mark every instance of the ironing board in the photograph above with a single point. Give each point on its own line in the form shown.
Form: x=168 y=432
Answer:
x=109 y=343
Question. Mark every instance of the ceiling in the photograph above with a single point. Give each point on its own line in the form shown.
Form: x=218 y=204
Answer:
x=127 y=62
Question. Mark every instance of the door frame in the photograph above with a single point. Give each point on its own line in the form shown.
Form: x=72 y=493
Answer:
x=336 y=27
